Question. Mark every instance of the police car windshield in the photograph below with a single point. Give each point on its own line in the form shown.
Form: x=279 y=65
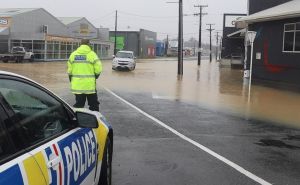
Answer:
x=124 y=55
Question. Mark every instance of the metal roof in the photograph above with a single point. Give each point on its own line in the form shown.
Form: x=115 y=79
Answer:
x=10 y=12
x=69 y=20
x=287 y=10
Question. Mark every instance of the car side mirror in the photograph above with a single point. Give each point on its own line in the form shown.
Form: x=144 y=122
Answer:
x=86 y=120
x=114 y=56
x=134 y=57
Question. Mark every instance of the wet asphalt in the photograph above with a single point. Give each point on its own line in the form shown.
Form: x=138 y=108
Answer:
x=145 y=153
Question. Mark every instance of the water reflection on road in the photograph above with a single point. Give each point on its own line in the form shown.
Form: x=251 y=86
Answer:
x=210 y=86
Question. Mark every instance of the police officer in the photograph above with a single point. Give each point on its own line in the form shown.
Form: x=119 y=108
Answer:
x=84 y=67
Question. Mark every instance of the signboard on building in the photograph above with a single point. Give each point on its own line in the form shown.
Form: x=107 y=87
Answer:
x=84 y=29
x=231 y=19
x=61 y=39
x=120 y=42
x=5 y=21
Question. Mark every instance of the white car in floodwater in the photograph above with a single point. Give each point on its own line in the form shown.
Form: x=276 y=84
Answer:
x=123 y=60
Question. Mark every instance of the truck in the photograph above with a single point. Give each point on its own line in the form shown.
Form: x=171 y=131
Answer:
x=18 y=54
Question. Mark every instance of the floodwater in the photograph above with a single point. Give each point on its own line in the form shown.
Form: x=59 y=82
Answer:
x=221 y=89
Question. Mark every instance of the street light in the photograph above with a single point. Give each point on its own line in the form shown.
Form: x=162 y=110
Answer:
x=251 y=35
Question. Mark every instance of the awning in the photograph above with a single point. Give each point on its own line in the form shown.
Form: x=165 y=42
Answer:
x=284 y=11
x=4 y=31
x=238 y=34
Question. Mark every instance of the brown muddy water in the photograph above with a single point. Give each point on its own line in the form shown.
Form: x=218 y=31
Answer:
x=210 y=86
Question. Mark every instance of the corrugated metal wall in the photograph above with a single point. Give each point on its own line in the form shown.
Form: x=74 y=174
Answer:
x=28 y=26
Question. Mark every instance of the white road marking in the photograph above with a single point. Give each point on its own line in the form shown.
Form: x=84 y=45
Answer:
x=204 y=148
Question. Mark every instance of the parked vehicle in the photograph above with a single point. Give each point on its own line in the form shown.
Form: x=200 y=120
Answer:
x=45 y=141
x=124 y=60
x=18 y=54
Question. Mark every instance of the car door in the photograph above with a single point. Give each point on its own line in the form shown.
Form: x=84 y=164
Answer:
x=65 y=154
x=17 y=166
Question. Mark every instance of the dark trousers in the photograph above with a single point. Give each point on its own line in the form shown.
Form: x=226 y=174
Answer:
x=91 y=98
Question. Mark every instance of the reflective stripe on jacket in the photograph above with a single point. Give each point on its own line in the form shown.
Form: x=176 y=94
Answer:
x=83 y=66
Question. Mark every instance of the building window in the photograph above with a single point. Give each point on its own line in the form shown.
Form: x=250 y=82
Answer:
x=291 y=38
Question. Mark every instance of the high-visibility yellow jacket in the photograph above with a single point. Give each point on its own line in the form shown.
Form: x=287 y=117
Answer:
x=83 y=68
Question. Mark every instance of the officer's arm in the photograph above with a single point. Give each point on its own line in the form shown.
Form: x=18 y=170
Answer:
x=97 y=66
x=70 y=68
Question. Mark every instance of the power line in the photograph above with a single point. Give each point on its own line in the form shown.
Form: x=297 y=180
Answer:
x=104 y=16
x=146 y=16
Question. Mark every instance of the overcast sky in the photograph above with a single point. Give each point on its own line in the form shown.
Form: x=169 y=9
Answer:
x=154 y=15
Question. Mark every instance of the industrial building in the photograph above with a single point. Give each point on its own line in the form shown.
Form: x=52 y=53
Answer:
x=142 y=42
x=277 y=44
x=49 y=37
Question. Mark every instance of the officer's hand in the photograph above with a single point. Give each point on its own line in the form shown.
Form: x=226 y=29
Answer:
x=97 y=76
x=70 y=78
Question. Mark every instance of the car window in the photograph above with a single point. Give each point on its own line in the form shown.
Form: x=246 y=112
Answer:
x=36 y=114
x=5 y=147
x=124 y=55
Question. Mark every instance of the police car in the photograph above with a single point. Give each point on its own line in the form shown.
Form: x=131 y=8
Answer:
x=44 y=141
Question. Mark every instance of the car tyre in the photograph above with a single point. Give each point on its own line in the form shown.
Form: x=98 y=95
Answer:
x=31 y=58
x=106 y=167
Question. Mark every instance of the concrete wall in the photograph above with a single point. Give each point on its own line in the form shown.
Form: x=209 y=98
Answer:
x=76 y=30
x=274 y=63
x=28 y=26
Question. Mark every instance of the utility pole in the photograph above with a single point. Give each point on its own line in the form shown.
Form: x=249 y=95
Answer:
x=217 y=46
x=200 y=30
x=210 y=30
x=116 y=27
x=167 y=45
x=180 y=40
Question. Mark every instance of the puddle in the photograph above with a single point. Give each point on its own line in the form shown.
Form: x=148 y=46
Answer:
x=276 y=143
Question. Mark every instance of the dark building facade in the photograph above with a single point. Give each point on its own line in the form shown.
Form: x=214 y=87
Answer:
x=277 y=44
x=277 y=51
x=260 y=5
x=231 y=46
x=142 y=43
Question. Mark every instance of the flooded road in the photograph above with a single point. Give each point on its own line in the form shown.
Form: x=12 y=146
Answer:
x=210 y=86
x=200 y=107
